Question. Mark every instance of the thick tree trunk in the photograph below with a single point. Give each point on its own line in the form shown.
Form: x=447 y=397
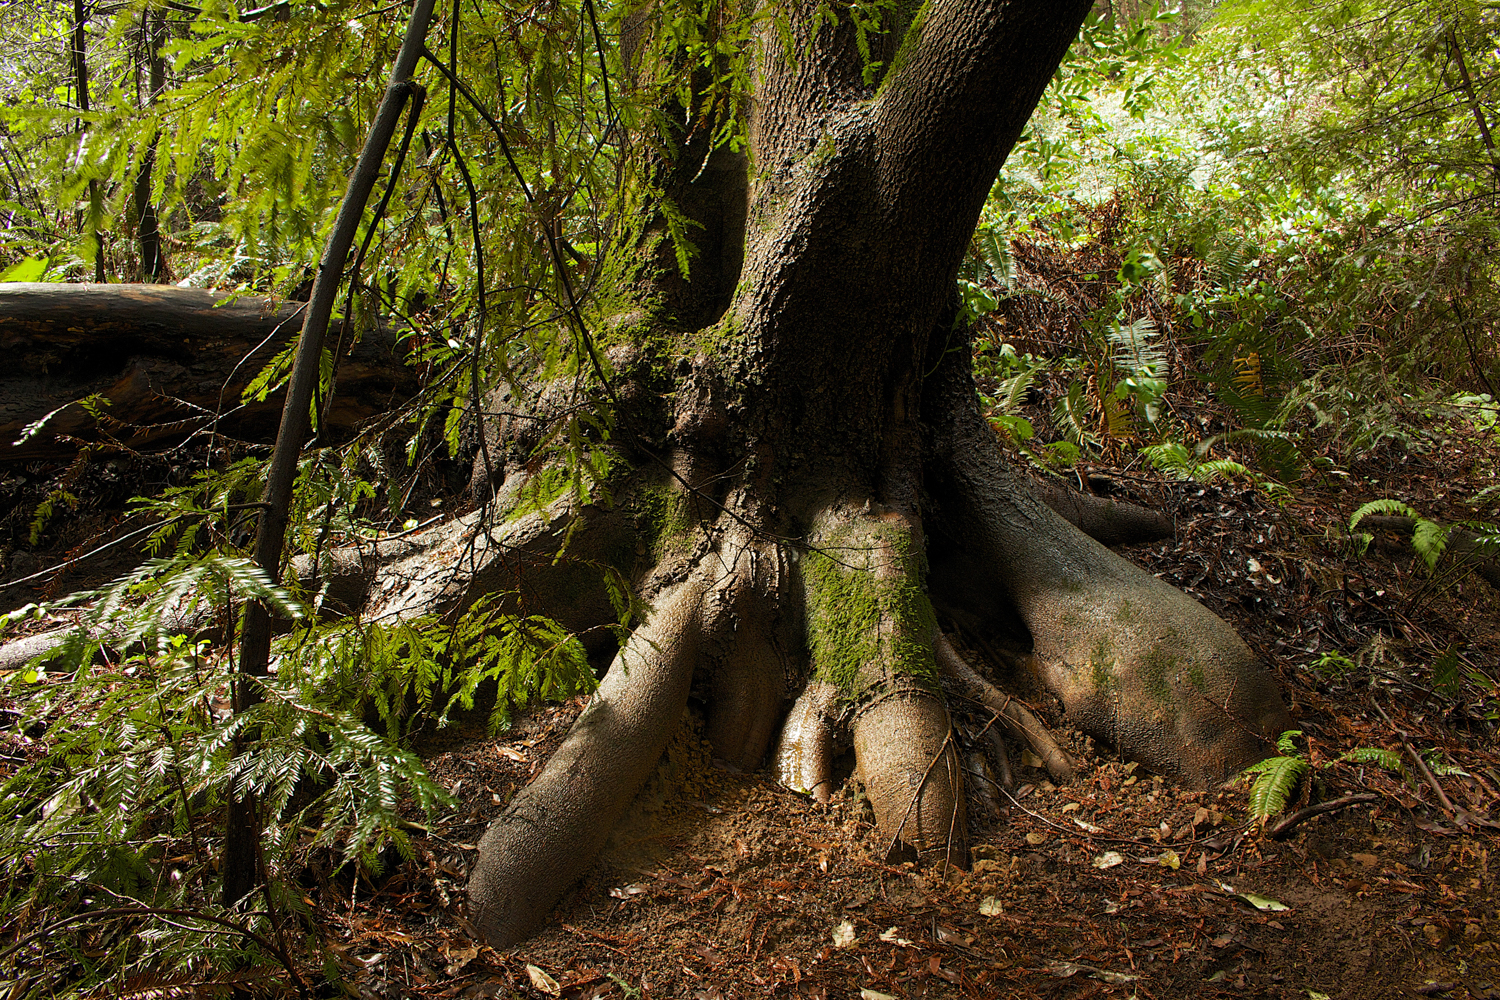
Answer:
x=825 y=446
x=169 y=360
x=804 y=491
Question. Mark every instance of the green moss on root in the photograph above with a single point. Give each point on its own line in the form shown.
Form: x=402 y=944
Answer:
x=857 y=619
x=1156 y=673
x=664 y=519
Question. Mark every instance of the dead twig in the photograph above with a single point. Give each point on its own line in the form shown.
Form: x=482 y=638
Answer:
x=1284 y=826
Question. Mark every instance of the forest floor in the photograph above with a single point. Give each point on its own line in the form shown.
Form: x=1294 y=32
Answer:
x=722 y=885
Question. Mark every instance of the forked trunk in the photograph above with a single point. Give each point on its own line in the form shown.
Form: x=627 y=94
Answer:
x=822 y=424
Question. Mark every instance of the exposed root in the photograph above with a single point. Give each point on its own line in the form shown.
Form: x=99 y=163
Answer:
x=870 y=632
x=918 y=808
x=1108 y=522
x=748 y=682
x=550 y=561
x=555 y=827
x=1135 y=661
x=804 y=756
x=984 y=784
x=1019 y=720
x=1000 y=757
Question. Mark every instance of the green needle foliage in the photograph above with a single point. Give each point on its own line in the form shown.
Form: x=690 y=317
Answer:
x=111 y=832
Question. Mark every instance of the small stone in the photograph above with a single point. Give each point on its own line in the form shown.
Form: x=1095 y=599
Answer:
x=1368 y=860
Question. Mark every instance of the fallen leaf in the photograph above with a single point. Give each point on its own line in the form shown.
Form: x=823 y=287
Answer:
x=1034 y=838
x=627 y=891
x=542 y=981
x=458 y=958
x=1262 y=902
x=952 y=935
x=869 y=994
x=890 y=936
x=990 y=907
x=1066 y=970
x=1169 y=859
x=1086 y=826
x=843 y=935
x=1109 y=859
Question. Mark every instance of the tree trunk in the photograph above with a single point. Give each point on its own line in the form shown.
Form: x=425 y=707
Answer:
x=81 y=89
x=170 y=361
x=148 y=235
x=824 y=442
x=803 y=491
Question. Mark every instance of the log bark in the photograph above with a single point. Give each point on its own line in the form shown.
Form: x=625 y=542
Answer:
x=170 y=360
x=1469 y=548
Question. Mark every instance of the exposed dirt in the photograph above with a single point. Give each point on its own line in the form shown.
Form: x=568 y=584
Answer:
x=724 y=885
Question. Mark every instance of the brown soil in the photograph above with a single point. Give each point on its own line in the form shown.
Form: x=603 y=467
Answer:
x=722 y=885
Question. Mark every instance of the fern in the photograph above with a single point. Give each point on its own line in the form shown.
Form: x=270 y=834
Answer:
x=1387 y=760
x=1275 y=781
x=1276 y=778
x=1428 y=538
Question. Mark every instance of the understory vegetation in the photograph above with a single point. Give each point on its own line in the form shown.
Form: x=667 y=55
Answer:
x=1248 y=246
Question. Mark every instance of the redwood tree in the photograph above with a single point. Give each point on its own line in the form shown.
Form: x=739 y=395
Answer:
x=802 y=490
x=769 y=435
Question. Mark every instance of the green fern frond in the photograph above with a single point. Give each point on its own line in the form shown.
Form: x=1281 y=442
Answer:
x=1276 y=780
x=1387 y=760
x=1382 y=506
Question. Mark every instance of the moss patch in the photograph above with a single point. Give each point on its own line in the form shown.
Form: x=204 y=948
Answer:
x=665 y=518
x=1156 y=672
x=856 y=620
x=1101 y=666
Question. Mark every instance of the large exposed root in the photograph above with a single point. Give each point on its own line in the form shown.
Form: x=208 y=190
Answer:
x=906 y=760
x=1135 y=661
x=804 y=755
x=747 y=681
x=870 y=630
x=1108 y=522
x=555 y=827
x=549 y=560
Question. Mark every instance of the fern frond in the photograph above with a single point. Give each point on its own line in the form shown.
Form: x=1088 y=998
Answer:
x=1387 y=760
x=1275 y=781
x=1384 y=505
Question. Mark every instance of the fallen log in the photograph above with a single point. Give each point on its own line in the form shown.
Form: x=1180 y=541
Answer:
x=170 y=361
x=1469 y=548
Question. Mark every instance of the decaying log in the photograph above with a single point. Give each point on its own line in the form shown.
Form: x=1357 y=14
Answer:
x=170 y=361
x=1467 y=547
